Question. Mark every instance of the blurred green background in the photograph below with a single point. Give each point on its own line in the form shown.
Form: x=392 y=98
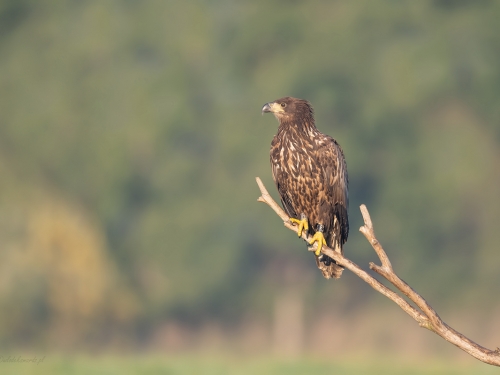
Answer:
x=130 y=137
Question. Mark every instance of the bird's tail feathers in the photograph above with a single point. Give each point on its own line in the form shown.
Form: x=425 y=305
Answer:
x=327 y=265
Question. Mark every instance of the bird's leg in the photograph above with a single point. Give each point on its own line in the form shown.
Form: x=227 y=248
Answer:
x=302 y=223
x=319 y=238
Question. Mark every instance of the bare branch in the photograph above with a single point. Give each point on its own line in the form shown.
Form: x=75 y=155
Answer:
x=425 y=315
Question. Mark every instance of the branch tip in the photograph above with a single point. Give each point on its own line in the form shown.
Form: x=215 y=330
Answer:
x=366 y=216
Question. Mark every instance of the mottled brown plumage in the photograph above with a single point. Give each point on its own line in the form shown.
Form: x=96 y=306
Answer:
x=310 y=173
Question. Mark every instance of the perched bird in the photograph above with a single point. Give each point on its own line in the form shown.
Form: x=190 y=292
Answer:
x=310 y=173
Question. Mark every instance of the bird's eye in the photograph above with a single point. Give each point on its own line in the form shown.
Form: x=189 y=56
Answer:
x=283 y=105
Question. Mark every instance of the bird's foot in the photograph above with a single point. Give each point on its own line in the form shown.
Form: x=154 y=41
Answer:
x=320 y=239
x=302 y=223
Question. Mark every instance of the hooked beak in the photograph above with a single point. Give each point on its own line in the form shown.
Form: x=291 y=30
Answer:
x=266 y=108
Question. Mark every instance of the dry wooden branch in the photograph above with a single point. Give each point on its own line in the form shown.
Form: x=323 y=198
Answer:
x=424 y=315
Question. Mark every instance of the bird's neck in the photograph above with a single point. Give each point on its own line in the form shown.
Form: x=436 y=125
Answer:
x=304 y=127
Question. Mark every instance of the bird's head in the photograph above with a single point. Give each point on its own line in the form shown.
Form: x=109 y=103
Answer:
x=288 y=109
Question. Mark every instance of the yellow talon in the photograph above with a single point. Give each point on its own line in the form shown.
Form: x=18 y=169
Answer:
x=320 y=239
x=303 y=225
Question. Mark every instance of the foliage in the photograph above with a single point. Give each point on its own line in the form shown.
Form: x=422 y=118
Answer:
x=135 y=128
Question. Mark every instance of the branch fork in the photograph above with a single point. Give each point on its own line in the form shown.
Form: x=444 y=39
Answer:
x=423 y=313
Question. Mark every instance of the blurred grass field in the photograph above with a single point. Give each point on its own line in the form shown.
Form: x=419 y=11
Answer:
x=205 y=365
